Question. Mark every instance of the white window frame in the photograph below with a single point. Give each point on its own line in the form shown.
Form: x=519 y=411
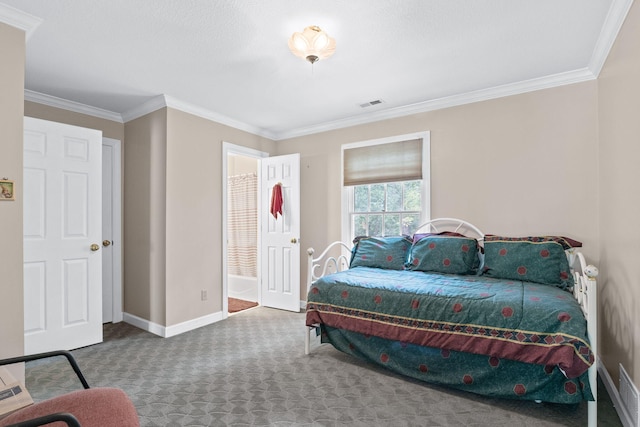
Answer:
x=347 y=192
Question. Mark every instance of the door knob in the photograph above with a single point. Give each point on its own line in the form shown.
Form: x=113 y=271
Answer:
x=294 y=240
x=106 y=243
x=95 y=247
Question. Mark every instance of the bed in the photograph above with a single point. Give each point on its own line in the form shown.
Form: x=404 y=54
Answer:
x=507 y=317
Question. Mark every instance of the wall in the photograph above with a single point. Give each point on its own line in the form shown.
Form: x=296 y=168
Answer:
x=520 y=165
x=12 y=51
x=194 y=211
x=144 y=221
x=619 y=207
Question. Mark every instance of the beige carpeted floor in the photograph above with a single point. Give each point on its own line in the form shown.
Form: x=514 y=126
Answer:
x=250 y=370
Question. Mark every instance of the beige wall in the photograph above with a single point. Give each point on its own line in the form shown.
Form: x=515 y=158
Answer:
x=619 y=207
x=194 y=212
x=519 y=165
x=145 y=151
x=173 y=214
x=12 y=50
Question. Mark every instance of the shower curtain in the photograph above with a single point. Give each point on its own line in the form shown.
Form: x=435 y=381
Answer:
x=242 y=224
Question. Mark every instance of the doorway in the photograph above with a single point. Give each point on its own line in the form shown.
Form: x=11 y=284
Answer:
x=111 y=231
x=241 y=252
x=242 y=231
x=278 y=239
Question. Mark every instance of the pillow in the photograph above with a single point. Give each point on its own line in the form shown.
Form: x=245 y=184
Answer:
x=444 y=253
x=566 y=242
x=531 y=259
x=419 y=236
x=389 y=253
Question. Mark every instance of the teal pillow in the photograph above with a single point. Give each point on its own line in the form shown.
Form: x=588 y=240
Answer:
x=527 y=259
x=444 y=254
x=389 y=253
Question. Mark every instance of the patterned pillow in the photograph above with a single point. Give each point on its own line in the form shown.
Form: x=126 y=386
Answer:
x=380 y=252
x=444 y=254
x=419 y=236
x=531 y=259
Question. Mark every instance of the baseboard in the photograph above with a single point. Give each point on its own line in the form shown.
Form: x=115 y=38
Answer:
x=625 y=419
x=303 y=305
x=144 y=324
x=173 y=330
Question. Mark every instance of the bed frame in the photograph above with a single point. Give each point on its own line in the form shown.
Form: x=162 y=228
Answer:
x=337 y=255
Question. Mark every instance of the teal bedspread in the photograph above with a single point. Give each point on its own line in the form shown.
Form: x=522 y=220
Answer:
x=532 y=335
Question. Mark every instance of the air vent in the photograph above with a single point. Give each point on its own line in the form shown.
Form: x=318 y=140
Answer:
x=371 y=103
x=629 y=397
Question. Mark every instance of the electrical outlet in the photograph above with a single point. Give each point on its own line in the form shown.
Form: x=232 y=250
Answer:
x=203 y=295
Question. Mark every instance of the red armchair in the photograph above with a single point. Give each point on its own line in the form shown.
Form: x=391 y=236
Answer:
x=99 y=407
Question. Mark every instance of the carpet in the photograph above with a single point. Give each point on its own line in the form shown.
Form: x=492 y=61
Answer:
x=236 y=305
x=250 y=370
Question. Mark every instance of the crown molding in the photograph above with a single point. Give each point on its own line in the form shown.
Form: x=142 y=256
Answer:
x=153 y=104
x=610 y=29
x=532 y=85
x=218 y=118
x=53 y=101
x=19 y=19
x=162 y=101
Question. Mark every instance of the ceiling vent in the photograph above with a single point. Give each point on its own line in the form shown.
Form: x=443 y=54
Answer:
x=371 y=103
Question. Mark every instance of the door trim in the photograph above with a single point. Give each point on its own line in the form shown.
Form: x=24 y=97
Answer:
x=229 y=148
x=116 y=144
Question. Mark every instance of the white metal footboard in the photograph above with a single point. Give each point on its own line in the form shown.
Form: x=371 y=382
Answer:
x=585 y=292
x=326 y=263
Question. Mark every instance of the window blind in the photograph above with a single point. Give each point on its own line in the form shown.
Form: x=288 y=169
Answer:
x=390 y=162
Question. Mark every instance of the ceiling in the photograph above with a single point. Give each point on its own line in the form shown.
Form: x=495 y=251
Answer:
x=229 y=60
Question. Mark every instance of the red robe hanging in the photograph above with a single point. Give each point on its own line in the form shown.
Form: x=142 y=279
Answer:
x=276 y=200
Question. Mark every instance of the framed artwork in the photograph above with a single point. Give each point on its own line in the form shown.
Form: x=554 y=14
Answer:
x=6 y=189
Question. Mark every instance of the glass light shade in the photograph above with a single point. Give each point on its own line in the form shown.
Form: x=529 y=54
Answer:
x=312 y=44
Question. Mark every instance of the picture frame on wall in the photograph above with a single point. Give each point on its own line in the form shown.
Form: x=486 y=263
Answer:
x=7 y=189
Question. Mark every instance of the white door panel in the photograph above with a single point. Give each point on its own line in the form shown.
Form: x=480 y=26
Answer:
x=62 y=219
x=280 y=236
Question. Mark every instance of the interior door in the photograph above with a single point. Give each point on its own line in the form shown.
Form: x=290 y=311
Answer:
x=280 y=237
x=62 y=236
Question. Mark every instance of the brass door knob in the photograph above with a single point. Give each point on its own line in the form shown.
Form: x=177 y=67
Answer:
x=95 y=247
x=106 y=243
x=294 y=240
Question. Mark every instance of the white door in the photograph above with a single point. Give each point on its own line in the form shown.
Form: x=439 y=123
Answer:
x=280 y=237
x=62 y=236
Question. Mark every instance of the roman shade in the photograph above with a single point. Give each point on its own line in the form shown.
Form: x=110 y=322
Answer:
x=389 y=162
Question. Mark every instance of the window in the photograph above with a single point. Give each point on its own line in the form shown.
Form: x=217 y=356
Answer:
x=387 y=209
x=385 y=186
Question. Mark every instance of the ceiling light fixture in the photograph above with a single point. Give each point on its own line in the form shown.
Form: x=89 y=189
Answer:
x=312 y=44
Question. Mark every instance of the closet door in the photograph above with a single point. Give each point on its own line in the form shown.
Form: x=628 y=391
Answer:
x=62 y=236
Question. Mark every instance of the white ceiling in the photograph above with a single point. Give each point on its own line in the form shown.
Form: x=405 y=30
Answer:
x=229 y=60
